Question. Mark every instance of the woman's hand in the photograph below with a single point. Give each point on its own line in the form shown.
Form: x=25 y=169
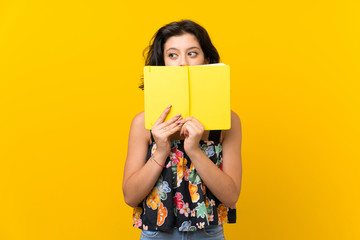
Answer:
x=162 y=131
x=192 y=130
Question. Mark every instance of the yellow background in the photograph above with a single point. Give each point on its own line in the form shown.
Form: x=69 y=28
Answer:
x=69 y=72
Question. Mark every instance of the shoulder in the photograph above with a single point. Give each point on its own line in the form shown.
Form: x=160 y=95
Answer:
x=234 y=118
x=139 y=119
x=235 y=127
x=138 y=127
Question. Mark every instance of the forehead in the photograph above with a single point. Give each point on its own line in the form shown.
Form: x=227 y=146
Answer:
x=182 y=42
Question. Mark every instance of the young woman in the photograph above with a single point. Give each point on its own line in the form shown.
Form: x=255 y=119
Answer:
x=182 y=180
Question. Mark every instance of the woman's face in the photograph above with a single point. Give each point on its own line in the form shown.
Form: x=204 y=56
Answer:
x=183 y=50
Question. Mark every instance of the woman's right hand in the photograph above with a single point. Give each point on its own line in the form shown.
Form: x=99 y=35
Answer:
x=162 y=131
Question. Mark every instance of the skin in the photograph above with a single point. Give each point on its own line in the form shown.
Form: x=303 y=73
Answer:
x=140 y=175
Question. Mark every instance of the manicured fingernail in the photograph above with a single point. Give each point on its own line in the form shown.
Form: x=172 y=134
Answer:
x=169 y=106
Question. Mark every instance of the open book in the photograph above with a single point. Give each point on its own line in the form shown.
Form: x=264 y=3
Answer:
x=201 y=91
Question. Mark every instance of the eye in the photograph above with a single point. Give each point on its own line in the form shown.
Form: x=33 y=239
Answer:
x=172 y=55
x=193 y=54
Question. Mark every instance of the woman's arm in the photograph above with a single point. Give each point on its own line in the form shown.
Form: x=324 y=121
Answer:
x=140 y=176
x=225 y=184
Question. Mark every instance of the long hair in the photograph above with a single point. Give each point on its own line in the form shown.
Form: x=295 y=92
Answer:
x=154 y=53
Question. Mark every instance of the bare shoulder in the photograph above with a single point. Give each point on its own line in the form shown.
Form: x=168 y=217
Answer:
x=235 y=119
x=235 y=129
x=139 y=119
x=138 y=127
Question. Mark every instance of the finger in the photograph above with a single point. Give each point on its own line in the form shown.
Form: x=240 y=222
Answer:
x=163 y=115
x=183 y=130
x=191 y=128
x=188 y=119
x=175 y=124
x=171 y=121
x=174 y=129
x=192 y=119
x=184 y=126
x=196 y=122
x=166 y=126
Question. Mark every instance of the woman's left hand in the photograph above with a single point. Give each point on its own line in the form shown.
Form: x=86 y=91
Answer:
x=193 y=130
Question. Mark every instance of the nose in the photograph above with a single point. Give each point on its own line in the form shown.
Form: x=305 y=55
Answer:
x=183 y=61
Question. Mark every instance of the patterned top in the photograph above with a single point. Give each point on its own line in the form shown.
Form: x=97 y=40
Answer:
x=179 y=198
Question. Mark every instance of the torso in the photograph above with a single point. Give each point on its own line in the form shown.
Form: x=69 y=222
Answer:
x=180 y=199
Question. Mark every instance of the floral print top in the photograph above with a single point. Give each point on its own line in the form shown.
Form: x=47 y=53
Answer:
x=179 y=198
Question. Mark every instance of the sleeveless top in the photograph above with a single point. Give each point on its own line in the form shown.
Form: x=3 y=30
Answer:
x=179 y=198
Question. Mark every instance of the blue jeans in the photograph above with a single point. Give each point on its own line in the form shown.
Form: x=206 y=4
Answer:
x=211 y=233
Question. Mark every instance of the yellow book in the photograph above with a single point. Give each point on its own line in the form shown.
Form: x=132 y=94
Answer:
x=201 y=91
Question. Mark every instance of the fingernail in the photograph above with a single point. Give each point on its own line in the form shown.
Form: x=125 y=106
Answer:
x=169 y=106
x=178 y=115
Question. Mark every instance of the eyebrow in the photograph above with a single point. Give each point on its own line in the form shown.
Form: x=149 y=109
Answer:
x=177 y=49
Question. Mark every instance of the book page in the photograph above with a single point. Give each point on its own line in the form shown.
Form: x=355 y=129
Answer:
x=209 y=92
x=165 y=85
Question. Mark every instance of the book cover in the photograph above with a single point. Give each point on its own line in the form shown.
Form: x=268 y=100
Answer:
x=201 y=91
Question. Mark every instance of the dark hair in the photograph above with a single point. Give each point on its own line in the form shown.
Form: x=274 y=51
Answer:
x=154 y=53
